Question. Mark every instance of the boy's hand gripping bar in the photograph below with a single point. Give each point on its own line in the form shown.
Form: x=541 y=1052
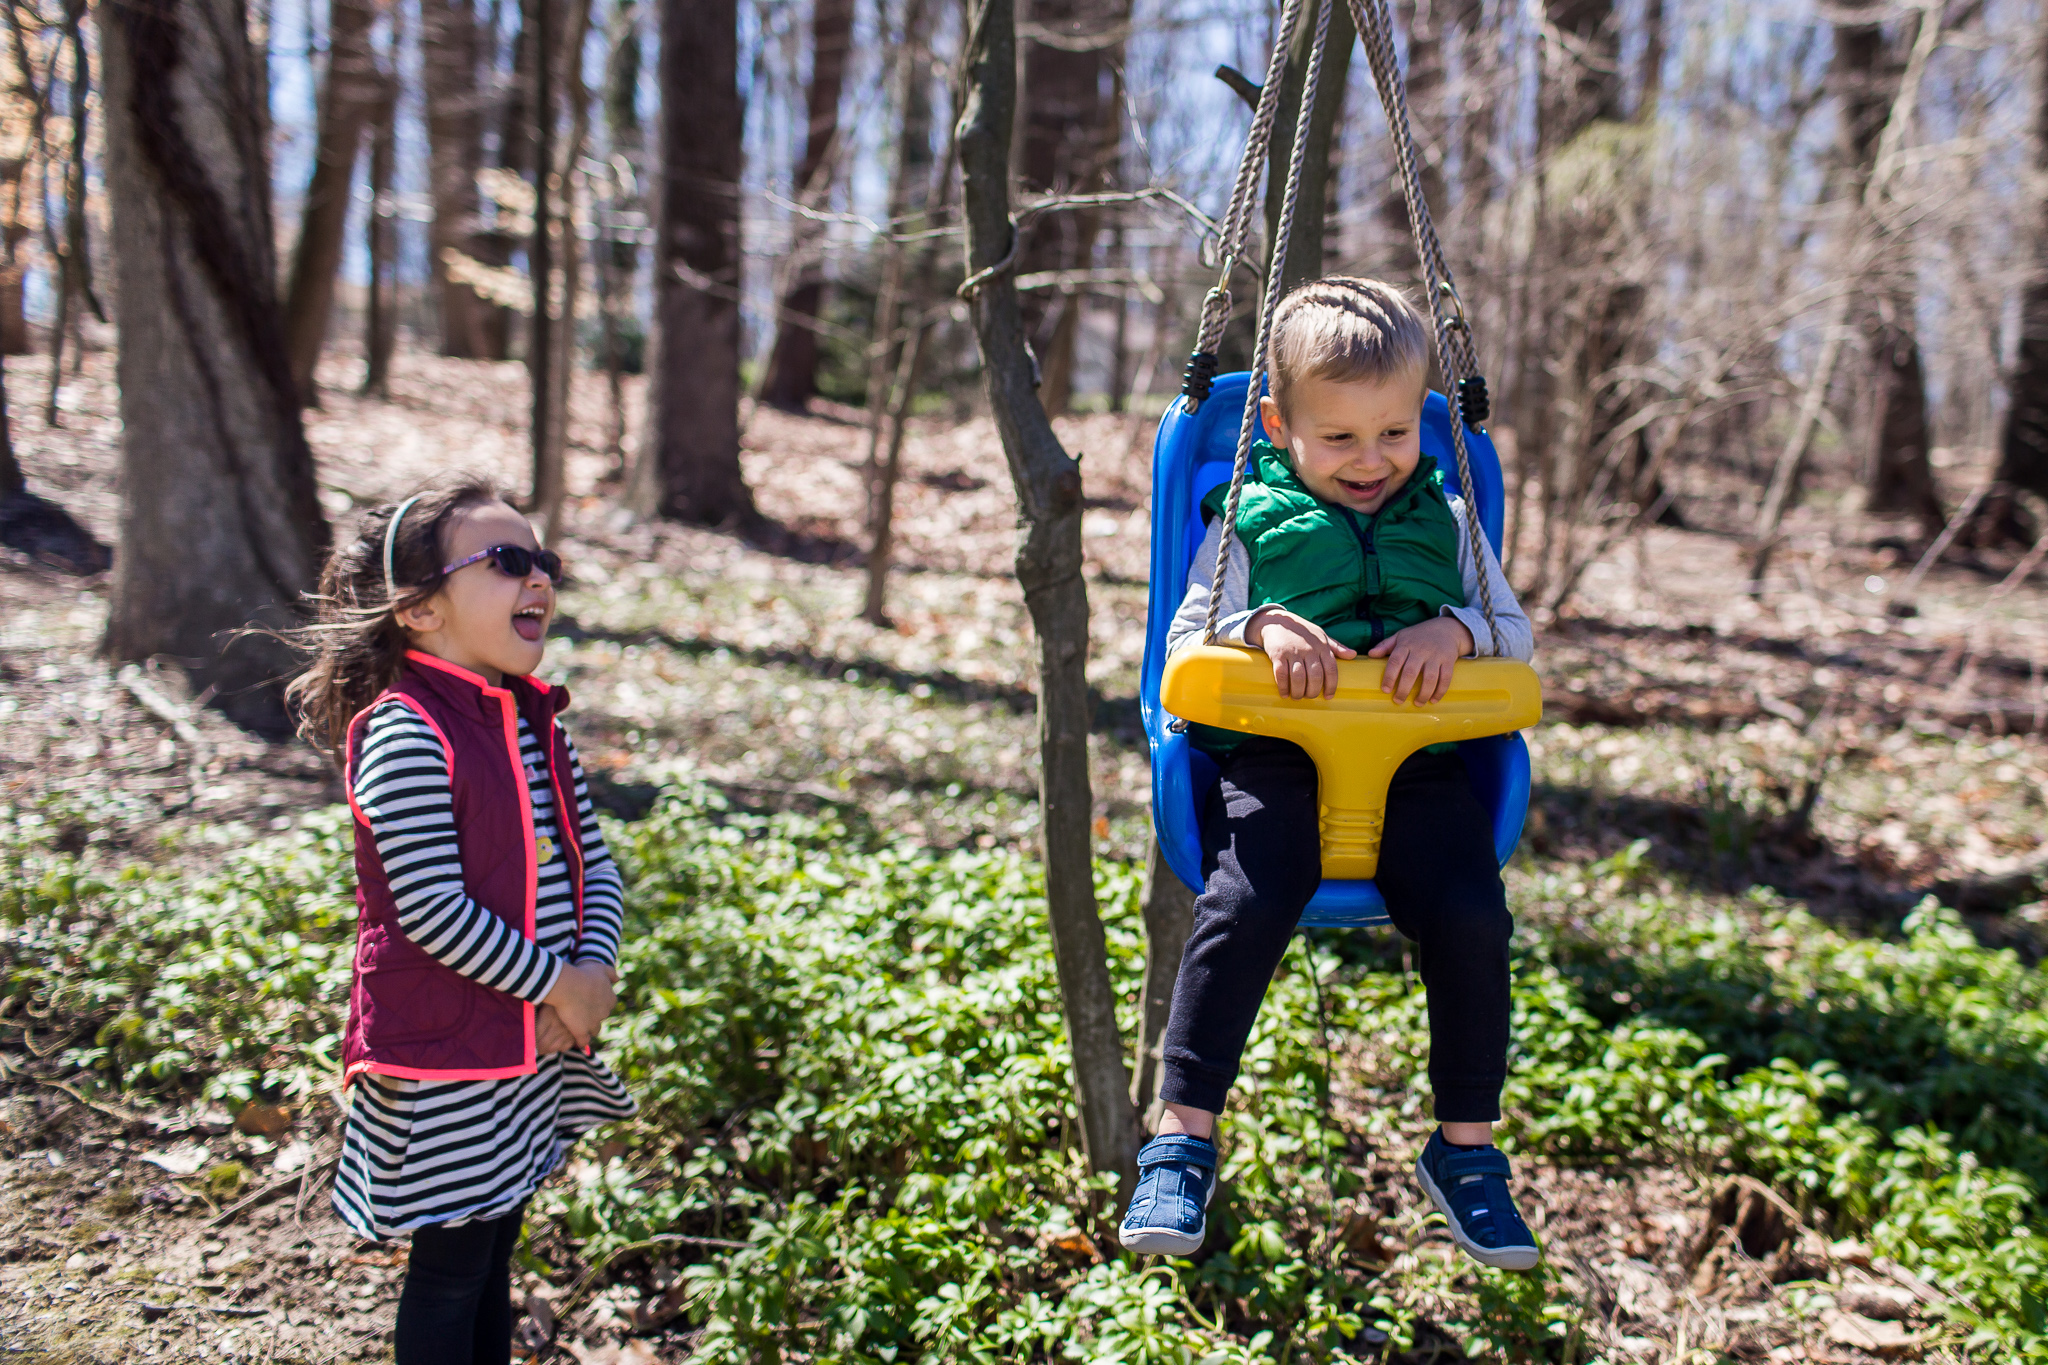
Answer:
x=1358 y=737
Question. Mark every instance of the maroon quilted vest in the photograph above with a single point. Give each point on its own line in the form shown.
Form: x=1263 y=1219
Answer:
x=408 y=1014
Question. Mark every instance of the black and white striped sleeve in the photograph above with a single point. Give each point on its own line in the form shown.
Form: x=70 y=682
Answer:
x=402 y=789
x=604 y=890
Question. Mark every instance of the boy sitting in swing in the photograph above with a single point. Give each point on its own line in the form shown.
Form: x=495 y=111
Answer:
x=1345 y=543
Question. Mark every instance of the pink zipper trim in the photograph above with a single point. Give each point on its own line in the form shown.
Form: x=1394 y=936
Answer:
x=424 y=1073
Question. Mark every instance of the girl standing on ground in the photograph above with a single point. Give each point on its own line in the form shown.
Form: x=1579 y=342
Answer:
x=488 y=928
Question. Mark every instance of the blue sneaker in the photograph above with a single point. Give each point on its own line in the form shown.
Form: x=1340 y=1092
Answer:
x=1469 y=1186
x=1169 y=1213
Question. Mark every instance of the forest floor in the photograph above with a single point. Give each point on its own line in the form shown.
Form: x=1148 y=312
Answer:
x=1805 y=741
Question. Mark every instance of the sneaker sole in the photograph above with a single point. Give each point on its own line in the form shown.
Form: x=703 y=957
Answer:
x=1169 y=1241
x=1500 y=1258
x=1161 y=1241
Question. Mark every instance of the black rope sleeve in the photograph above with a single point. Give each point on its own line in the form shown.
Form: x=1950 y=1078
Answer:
x=1195 y=381
x=1473 y=405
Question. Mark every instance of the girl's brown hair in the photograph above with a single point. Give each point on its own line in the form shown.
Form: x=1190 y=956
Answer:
x=357 y=645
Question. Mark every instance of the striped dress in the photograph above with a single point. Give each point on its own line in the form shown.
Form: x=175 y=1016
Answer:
x=420 y=1152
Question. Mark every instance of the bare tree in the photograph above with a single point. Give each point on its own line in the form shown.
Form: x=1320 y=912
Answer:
x=1864 y=79
x=1313 y=204
x=1069 y=145
x=448 y=41
x=547 y=461
x=896 y=363
x=380 y=316
x=74 y=259
x=2023 y=451
x=1048 y=487
x=791 y=376
x=618 y=251
x=220 y=522
x=348 y=99
x=689 y=462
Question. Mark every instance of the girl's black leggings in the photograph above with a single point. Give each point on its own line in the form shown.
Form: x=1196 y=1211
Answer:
x=1262 y=861
x=456 y=1308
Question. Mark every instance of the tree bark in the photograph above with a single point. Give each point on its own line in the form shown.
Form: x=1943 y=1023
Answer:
x=550 y=493
x=618 y=258
x=547 y=464
x=448 y=41
x=689 y=464
x=348 y=100
x=74 y=261
x=1423 y=22
x=11 y=479
x=1070 y=140
x=380 y=318
x=1048 y=486
x=1306 y=247
x=1169 y=919
x=895 y=368
x=2023 y=448
x=1864 y=78
x=220 y=518
x=792 y=373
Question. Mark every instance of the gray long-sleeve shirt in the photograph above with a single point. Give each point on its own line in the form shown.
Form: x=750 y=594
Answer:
x=1516 y=640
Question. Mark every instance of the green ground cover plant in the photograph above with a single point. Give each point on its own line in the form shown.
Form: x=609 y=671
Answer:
x=856 y=1116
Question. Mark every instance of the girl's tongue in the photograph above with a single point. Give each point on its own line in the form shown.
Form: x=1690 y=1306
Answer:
x=527 y=626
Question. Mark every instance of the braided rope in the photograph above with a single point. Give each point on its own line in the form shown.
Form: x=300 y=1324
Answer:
x=1455 y=354
x=1237 y=220
x=1274 y=276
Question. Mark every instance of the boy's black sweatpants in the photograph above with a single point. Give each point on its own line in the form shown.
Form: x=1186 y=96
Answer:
x=1262 y=861
x=456 y=1307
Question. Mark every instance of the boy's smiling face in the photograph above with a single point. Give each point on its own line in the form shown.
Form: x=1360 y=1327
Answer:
x=1352 y=442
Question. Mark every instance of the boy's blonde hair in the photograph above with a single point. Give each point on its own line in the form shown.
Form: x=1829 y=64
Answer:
x=1344 y=329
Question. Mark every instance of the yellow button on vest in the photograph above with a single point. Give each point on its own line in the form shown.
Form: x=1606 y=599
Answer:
x=544 y=848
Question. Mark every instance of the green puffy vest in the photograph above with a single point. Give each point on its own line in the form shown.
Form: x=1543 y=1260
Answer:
x=1359 y=577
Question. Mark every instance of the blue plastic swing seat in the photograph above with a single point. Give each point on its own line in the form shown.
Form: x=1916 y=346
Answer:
x=1191 y=455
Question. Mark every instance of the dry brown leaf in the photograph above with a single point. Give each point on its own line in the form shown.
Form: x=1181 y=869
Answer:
x=1868 y=1334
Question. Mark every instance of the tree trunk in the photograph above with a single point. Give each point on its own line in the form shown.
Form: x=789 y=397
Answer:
x=448 y=42
x=2023 y=449
x=1864 y=79
x=220 y=517
x=618 y=257
x=689 y=465
x=380 y=330
x=549 y=494
x=1312 y=202
x=1169 y=919
x=1048 y=487
x=348 y=99
x=11 y=480
x=1069 y=146
x=1423 y=22
x=547 y=465
x=74 y=261
x=792 y=374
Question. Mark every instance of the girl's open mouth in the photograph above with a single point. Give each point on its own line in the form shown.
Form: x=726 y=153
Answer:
x=1362 y=490
x=529 y=622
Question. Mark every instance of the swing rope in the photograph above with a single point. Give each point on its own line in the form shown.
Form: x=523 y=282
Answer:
x=1274 y=275
x=1216 y=304
x=1456 y=356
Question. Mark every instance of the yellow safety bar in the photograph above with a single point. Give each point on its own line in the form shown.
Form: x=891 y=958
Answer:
x=1357 y=738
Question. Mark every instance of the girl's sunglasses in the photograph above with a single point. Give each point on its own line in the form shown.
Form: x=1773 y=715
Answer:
x=514 y=561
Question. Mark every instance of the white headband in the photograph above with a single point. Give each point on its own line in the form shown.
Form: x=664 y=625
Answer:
x=391 y=542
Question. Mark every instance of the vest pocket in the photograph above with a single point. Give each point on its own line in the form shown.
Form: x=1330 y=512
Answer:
x=420 y=1004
